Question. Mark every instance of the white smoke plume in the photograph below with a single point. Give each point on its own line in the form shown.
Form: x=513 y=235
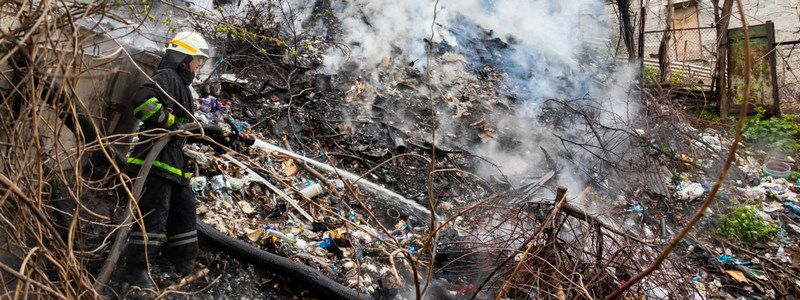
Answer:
x=558 y=49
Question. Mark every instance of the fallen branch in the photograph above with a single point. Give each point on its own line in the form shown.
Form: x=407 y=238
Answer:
x=188 y=279
x=271 y=186
x=579 y=214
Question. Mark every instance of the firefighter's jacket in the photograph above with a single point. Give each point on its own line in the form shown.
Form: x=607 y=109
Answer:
x=156 y=110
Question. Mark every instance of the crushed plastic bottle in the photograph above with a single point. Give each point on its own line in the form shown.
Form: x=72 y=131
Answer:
x=326 y=244
x=792 y=206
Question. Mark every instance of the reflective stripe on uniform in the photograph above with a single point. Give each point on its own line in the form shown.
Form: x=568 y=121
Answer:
x=168 y=168
x=182 y=238
x=183 y=242
x=149 y=235
x=150 y=242
x=170 y=121
x=182 y=235
x=151 y=112
x=149 y=104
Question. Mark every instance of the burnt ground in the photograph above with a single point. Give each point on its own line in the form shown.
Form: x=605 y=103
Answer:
x=228 y=278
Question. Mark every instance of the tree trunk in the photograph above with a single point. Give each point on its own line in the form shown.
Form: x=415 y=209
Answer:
x=640 y=51
x=663 y=48
x=642 y=18
x=625 y=26
x=722 y=57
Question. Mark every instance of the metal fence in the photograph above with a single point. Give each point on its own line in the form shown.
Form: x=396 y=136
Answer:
x=692 y=54
x=788 y=68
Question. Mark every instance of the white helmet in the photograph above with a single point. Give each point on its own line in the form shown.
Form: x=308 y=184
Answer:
x=188 y=42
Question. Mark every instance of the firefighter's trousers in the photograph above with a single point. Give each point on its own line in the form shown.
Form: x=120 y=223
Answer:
x=169 y=219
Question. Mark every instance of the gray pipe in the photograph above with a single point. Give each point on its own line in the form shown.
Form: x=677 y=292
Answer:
x=366 y=184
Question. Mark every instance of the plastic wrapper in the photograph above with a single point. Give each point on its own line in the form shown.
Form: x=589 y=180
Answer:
x=199 y=184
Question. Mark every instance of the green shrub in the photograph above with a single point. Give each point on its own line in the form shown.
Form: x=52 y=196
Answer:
x=780 y=134
x=710 y=116
x=649 y=73
x=676 y=78
x=745 y=224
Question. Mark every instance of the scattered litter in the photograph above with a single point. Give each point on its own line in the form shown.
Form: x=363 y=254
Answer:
x=218 y=182
x=772 y=207
x=312 y=190
x=246 y=208
x=794 y=207
x=198 y=184
x=636 y=207
x=200 y=158
x=689 y=190
x=737 y=275
x=237 y=184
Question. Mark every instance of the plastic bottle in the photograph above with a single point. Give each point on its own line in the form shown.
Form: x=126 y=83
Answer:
x=312 y=191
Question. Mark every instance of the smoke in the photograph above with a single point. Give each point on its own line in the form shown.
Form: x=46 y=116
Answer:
x=546 y=49
x=373 y=29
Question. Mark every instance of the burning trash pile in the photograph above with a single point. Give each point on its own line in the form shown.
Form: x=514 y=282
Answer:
x=517 y=161
x=273 y=201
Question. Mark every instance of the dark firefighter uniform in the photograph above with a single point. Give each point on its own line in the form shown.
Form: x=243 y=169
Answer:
x=167 y=201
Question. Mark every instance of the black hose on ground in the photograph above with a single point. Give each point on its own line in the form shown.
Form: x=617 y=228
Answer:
x=281 y=265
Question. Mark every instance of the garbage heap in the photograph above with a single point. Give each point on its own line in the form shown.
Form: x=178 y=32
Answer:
x=273 y=201
x=748 y=243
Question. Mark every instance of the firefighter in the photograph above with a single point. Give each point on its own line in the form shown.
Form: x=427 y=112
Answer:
x=167 y=202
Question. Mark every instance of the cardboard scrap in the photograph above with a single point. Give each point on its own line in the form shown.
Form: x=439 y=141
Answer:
x=289 y=168
x=737 y=275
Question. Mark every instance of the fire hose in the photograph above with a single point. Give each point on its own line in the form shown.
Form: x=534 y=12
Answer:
x=314 y=279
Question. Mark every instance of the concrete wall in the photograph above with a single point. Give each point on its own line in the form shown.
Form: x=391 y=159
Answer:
x=108 y=85
x=104 y=87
